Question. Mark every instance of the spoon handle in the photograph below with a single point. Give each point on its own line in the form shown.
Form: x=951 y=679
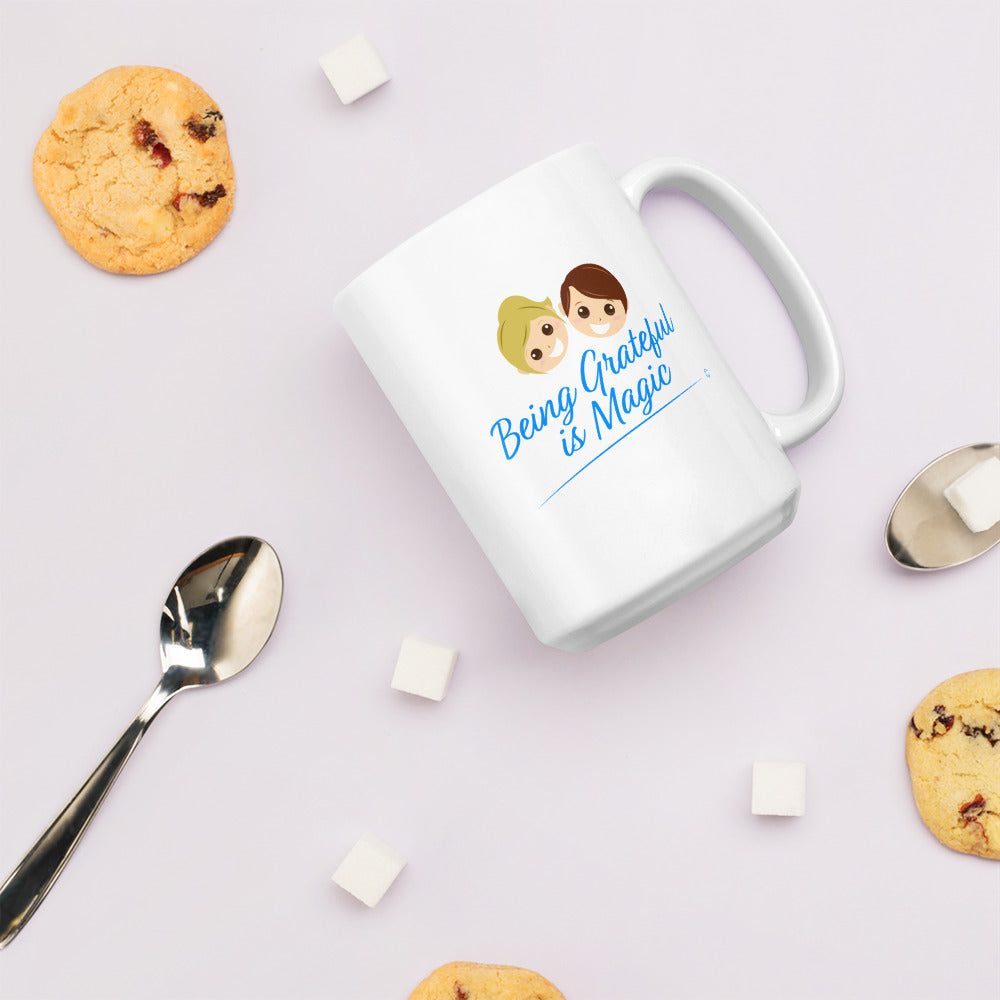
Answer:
x=31 y=880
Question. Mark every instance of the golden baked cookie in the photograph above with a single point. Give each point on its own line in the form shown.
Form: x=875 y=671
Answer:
x=135 y=170
x=472 y=981
x=953 y=752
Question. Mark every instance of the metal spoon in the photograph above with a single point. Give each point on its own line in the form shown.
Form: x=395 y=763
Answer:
x=215 y=621
x=924 y=530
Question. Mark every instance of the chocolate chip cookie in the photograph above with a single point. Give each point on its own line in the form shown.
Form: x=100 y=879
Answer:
x=953 y=752
x=473 y=981
x=135 y=170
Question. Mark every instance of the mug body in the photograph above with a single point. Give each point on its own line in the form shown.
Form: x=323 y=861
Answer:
x=570 y=401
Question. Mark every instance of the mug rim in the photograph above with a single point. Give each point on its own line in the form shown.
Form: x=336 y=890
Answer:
x=400 y=248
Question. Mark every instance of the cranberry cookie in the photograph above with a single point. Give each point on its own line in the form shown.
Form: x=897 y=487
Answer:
x=472 y=981
x=953 y=752
x=135 y=170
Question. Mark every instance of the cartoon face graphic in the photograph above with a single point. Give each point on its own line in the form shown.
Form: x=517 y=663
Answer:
x=595 y=317
x=546 y=343
x=594 y=301
x=530 y=334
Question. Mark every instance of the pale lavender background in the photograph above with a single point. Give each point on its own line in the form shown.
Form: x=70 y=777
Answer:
x=585 y=815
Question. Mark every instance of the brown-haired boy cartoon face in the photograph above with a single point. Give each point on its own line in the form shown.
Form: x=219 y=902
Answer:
x=594 y=301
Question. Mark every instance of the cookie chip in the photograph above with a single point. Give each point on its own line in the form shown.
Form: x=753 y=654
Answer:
x=472 y=981
x=953 y=752
x=135 y=170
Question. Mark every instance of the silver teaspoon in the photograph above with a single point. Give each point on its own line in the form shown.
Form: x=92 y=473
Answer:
x=216 y=619
x=924 y=530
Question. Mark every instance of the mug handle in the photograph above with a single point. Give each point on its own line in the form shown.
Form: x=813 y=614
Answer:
x=824 y=365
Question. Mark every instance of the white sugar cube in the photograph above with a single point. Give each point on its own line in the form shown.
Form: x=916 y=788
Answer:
x=976 y=495
x=779 y=788
x=424 y=668
x=369 y=869
x=354 y=69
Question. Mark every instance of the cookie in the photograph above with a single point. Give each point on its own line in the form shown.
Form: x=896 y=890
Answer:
x=953 y=752
x=135 y=170
x=472 y=981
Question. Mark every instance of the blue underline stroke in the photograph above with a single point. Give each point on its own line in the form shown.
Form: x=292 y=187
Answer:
x=619 y=441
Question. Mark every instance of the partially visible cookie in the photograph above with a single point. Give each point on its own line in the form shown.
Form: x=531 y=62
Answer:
x=953 y=752
x=473 y=981
x=135 y=170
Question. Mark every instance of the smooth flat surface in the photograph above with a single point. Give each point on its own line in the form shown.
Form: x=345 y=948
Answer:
x=587 y=816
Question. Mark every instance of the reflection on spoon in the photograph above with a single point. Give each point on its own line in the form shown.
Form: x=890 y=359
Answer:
x=924 y=530
x=215 y=621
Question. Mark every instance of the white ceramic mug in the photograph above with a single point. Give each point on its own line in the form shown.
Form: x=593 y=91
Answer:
x=571 y=403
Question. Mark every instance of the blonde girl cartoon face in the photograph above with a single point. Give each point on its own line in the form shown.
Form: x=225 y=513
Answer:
x=594 y=301
x=531 y=335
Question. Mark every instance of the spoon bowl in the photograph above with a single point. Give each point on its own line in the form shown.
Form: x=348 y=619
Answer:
x=216 y=619
x=924 y=531
x=221 y=611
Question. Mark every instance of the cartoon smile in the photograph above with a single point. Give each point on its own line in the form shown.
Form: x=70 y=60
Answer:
x=546 y=343
x=594 y=317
